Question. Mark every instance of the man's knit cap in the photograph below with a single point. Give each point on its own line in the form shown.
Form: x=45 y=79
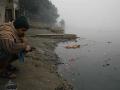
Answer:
x=21 y=22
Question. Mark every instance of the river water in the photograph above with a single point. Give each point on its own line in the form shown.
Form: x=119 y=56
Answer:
x=96 y=64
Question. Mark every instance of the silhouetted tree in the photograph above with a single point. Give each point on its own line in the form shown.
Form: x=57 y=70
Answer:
x=40 y=10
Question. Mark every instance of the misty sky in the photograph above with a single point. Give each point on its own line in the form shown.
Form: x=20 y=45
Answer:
x=94 y=14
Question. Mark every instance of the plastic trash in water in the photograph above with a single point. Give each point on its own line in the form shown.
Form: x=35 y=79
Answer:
x=11 y=85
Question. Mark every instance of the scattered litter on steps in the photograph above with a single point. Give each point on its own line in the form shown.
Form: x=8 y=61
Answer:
x=11 y=85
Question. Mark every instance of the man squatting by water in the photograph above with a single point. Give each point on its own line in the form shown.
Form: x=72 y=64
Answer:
x=12 y=41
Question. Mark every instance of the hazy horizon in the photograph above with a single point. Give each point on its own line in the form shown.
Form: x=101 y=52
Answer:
x=90 y=14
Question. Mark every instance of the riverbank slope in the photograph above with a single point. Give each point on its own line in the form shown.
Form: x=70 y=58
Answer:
x=39 y=71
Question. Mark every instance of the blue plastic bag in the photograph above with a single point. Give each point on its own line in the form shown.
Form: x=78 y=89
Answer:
x=21 y=56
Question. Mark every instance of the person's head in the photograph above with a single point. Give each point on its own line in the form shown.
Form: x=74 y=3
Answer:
x=21 y=25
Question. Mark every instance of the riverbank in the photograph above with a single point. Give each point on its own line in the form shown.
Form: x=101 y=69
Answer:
x=39 y=71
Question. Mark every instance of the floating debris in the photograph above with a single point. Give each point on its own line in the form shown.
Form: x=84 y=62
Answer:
x=105 y=65
x=109 y=42
x=72 y=46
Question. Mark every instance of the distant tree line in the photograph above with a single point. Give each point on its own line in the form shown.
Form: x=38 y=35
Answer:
x=39 y=10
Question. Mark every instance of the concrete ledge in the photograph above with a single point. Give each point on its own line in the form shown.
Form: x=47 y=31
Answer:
x=56 y=36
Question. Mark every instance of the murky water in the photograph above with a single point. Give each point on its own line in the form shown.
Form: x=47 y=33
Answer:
x=96 y=64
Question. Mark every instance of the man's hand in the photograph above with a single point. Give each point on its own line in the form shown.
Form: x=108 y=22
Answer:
x=28 y=48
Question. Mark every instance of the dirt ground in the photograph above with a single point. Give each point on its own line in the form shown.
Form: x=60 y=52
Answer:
x=39 y=71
